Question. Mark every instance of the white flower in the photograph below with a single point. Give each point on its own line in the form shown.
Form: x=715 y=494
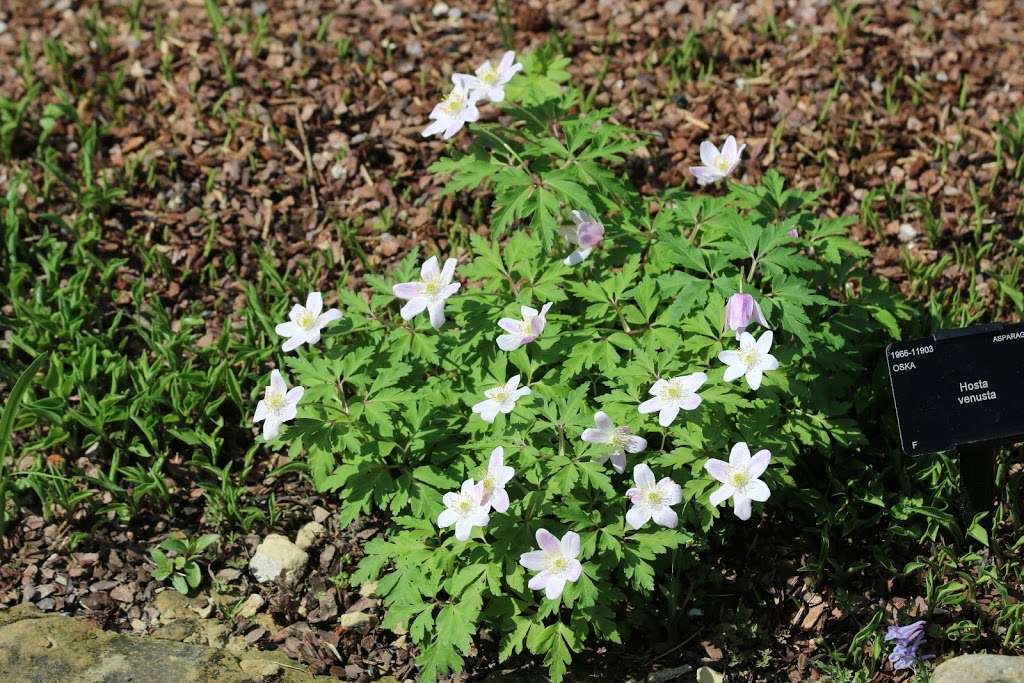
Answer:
x=621 y=440
x=652 y=500
x=277 y=406
x=586 y=232
x=305 y=322
x=555 y=561
x=430 y=293
x=465 y=509
x=739 y=478
x=752 y=360
x=500 y=399
x=489 y=82
x=717 y=165
x=673 y=395
x=454 y=111
x=522 y=331
x=498 y=474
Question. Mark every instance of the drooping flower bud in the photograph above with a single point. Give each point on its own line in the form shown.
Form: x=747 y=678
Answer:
x=740 y=311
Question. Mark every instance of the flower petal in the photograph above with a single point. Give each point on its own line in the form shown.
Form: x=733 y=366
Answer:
x=741 y=507
x=758 y=490
x=314 y=303
x=436 y=311
x=540 y=580
x=533 y=560
x=732 y=372
x=408 y=290
x=729 y=149
x=271 y=427
x=571 y=544
x=739 y=455
x=723 y=493
x=328 y=317
x=603 y=422
x=499 y=500
x=708 y=153
x=719 y=469
x=447 y=518
x=429 y=271
x=637 y=516
x=694 y=381
x=413 y=308
x=547 y=541
x=288 y=329
x=293 y=342
x=643 y=476
x=277 y=382
x=488 y=410
x=665 y=516
x=509 y=342
x=463 y=529
x=261 y=412
x=759 y=463
x=294 y=396
x=576 y=257
x=668 y=415
x=651 y=405
x=634 y=444
x=555 y=586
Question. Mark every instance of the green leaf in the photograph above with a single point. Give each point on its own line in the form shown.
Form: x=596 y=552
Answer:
x=179 y=583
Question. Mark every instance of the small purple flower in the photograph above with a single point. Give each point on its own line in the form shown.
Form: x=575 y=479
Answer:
x=794 y=233
x=908 y=639
x=587 y=233
x=740 y=311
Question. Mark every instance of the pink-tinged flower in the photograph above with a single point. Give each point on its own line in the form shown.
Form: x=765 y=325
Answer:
x=739 y=478
x=751 y=361
x=717 y=164
x=465 y=509
x=489 y=81
x=498 y=474
x=277 y=406
x=620 y=441
x=793 y=233
x=555 y=561
x=586 y=233
x=454 y=111
x=305 y=322
x=522 y=331
x=740 y=311
x=673 y=395
x=430 y=293
x=652 y=499
x=500 y=399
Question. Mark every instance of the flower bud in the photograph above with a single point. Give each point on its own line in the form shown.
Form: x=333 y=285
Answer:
x=740 y=311
x=589 y=234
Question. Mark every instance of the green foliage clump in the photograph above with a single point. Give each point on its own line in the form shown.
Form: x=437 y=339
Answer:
x=386 y=421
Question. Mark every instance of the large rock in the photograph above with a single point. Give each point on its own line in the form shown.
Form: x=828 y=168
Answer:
x=46 y=648
x=980 y=669
x=277 y=558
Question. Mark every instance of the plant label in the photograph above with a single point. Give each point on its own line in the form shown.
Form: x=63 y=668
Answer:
x=958 y=387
